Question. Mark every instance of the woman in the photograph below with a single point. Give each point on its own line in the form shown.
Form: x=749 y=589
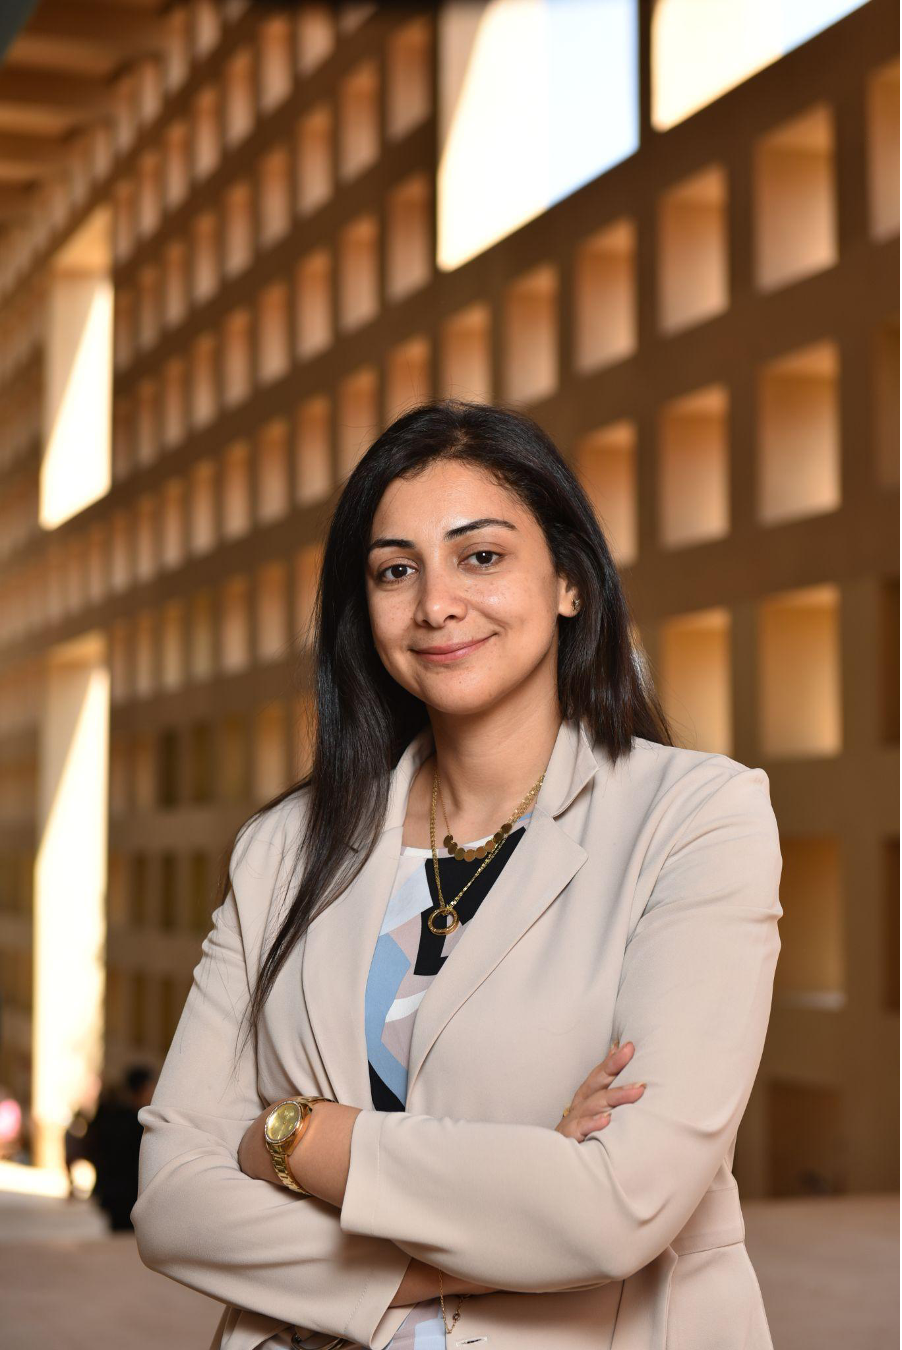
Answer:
x=492 y=770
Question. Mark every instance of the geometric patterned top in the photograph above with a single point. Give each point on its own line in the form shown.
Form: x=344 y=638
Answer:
x=406 y=960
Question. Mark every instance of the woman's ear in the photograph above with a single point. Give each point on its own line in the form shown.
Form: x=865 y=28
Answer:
x=569 y=602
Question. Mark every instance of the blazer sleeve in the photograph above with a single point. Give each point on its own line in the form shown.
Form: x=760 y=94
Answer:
x=525 y=1208
x=200 y=1220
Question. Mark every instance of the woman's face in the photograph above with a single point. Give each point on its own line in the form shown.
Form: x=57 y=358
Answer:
x=492 y=585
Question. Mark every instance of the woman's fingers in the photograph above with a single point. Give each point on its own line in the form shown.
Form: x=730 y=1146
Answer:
x=590 y=1120
x=592 y=1103
x=605 y=1072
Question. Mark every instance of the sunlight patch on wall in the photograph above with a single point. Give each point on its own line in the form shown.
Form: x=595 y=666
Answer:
x=536 y=98
x=75 y=463
x=703 y=48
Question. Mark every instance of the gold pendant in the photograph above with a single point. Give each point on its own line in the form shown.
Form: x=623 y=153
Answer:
x=443 y=909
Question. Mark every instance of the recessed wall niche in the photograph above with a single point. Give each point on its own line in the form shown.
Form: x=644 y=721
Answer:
x=175 y=283
x=466 y=361
x=234 y=759
x=272 y=611
x=276 y=61
x=605 y=461
x=694 y=468
x=238 y=215
x=240 y=96
x=307 y=565
x=799 y=471
x=795 y=199
x=314 y=152
x=206 y=143
x=234 y=619
x=696 y=685
x=146 y=538
x=274 y=196
x=315 y=36
x=202 y=636
x=204 y=381
x=811 y=971
x=410 y=245
x=358 y=102
x=313 y=450
x=204 y=518
x=147 y=439
x=150 y=192
x=799 y=631
x=175 y=401
x=149 y=306
x=145 y=654
x=236 y=490
x=882 y=116
x=272 y=333
x=407 y=376
x=270 y=751
x=173 y=526
x=237 y=364
x=313 y=303
x=531 y=335
x=358 y=416
x=172 y=646
x=885 y=401
x=207 y=19
x=176 y=164
x=272 y=471
x=604 y=297
x=693 y=275
x=409 y=77
x=359 y=272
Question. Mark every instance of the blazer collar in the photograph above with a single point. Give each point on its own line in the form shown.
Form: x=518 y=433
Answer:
x=572 y=763
x=339 y=944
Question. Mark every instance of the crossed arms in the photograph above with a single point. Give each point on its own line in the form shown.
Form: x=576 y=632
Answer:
x=530 y=1210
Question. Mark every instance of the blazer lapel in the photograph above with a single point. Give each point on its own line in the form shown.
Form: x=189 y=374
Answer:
x=340 y=942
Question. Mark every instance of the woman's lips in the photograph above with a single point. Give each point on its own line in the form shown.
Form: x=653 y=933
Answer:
x=441 y=658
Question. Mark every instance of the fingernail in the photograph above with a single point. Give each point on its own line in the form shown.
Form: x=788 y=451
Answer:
x=629 y=1085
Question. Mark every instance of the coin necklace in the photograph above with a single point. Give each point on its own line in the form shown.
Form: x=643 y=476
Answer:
x=486 y=851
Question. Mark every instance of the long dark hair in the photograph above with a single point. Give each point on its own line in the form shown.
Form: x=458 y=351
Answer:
x=364 y=719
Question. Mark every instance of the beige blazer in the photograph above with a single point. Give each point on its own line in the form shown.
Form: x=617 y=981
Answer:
x=642 y=903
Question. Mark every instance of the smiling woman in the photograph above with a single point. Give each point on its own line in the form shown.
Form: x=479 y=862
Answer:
x=438 y=943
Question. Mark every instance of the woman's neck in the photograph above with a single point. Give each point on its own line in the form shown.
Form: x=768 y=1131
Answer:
x=486 y=767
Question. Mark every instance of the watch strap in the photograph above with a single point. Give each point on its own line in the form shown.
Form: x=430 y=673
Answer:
x=279 y=1153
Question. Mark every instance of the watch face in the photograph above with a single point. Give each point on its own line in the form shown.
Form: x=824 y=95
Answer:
x=282 y=1122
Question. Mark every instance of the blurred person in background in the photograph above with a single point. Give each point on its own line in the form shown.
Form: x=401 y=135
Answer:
x=81 y=1177
x=112 y=1141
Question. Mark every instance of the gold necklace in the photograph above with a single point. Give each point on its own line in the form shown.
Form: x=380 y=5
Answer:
x=488 y=849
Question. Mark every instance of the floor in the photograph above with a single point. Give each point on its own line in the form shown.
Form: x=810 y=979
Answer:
x=828 y=1269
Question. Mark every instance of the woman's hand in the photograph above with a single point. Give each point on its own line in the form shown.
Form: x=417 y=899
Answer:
x=593 y=1102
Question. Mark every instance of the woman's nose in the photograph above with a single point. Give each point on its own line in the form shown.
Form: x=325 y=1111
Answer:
x=439 y=596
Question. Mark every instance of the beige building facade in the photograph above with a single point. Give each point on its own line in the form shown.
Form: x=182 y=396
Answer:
x=219 y=281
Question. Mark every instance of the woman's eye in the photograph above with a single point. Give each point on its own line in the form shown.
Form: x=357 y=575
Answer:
x=478 y=553
x=380 y=576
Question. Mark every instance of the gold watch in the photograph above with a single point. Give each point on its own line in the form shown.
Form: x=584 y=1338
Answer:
x=282 y=1131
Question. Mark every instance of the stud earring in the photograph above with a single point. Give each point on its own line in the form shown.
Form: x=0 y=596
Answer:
x=576 y=603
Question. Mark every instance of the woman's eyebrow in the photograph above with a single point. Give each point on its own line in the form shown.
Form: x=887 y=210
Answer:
x=455 y=533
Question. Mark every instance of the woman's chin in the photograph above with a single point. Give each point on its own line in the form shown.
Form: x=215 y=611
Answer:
x=461 y=703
